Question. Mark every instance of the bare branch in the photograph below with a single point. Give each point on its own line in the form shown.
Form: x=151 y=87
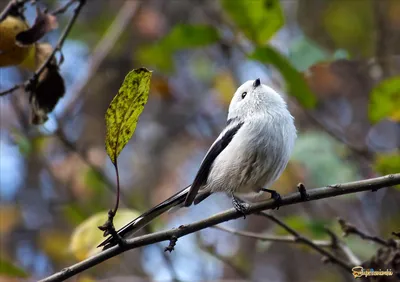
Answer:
x=271 y=238
x=339 y=245
x=64 y=8
x=300 y=238
x=10 y=6
x=10 y=90
x=314 y=194
x=240 y=271
x=348 y=228
x=60 y=42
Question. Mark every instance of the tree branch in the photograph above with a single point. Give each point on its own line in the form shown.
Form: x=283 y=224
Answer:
x=210 y=250
x=271 y=238
x=301 y=239
x=314 y=194
x=338 y=244
x=12 y=4
x=348 y=228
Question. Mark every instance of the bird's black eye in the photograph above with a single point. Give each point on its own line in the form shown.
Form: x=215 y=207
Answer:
x=244 y=94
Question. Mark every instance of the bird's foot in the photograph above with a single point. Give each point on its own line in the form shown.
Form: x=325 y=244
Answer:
x=274 y=195
x=240 y=206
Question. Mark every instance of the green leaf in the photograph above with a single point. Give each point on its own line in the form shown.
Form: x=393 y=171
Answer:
x=74 y=213
x=304 y=53
x=315 y=228
x=259 y=20
x=24 y=144
x=297 y=86
x=123 y=113
x=348 y=25
x=95 y=181
x=388 y=163
x=86 y=236
x=385 y=100
x=190 y=36
x=328 y=164
x=8 y=269
x=157 y=56
x=180 y=37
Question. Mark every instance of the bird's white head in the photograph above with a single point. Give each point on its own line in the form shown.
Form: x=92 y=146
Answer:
x=253 y=98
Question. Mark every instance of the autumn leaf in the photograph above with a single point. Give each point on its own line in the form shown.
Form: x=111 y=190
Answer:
x=385 y=100
x=123 y=113
x=44 y=23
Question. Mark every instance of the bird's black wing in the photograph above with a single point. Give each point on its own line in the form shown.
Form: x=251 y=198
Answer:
x=219 y=145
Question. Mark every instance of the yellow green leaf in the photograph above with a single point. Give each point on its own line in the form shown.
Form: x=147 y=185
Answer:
x=54 y=243
x=123 y=113
x=259 y=20
x=156 y=56
x=182 y=36
x=86 y=236
x=385 y=100
x=8 y=269
x=314 y=228
x=296 y=84
x=348 y=25
x=388 y=163
x=191 y=36
x=225 y=84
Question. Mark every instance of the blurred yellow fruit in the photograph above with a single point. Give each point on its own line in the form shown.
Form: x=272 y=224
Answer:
x=10 y=53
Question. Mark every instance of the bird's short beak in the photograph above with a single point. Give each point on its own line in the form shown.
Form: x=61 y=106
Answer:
x=256 y=82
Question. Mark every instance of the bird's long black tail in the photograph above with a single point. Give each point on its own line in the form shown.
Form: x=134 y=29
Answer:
x=138 y=223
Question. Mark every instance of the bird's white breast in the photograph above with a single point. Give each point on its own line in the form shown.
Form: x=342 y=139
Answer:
x=256 y=156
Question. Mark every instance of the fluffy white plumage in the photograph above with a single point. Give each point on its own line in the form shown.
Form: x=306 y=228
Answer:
x=260 y=150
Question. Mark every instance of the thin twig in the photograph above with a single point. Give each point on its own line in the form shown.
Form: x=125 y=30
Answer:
x=64 y=8
x=12 y=89
x=228 y=261
x=339 y=245
x=314 y=194
x=60 y=42
x=348 y=228
x=364 y=155
x=10 y=6
x=300 y=238
x=169 y=264
x=271 y=238
x=383 y=37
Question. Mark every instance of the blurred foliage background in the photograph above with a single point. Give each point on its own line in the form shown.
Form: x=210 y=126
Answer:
x=336 y=62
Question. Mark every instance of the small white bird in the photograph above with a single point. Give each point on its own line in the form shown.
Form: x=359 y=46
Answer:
x=246 y=158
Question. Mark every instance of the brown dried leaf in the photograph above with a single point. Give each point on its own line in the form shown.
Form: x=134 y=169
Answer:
x=45 y=95
x=44 y=23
